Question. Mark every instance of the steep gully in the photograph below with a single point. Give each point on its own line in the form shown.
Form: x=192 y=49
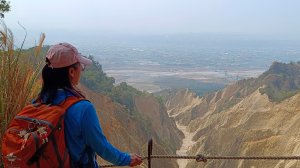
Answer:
x=187 y=141
x=177 y=104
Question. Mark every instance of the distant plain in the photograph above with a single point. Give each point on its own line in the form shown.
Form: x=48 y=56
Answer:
x=154 y=63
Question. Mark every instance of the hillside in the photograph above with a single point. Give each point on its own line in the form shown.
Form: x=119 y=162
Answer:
x=132 y=132
x=253 y=117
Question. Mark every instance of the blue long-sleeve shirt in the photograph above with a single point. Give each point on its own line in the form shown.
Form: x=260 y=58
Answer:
x=84 y=136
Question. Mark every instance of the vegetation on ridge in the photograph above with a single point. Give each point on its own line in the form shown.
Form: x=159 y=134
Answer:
x=281 y=81
x=95 y=79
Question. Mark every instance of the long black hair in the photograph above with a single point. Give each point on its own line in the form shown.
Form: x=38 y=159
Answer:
x=54 y=79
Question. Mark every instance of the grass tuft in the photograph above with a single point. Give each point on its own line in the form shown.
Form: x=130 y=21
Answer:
x=19 y=73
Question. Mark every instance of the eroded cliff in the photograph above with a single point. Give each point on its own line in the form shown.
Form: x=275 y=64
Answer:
x=253 y=117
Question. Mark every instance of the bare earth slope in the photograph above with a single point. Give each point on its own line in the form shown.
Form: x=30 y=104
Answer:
x=131 y=132
x=254 y=117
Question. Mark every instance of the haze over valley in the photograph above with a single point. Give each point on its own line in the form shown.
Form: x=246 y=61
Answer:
x=154 y=63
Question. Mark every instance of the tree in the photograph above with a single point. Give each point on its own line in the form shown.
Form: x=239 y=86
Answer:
x=4 y=7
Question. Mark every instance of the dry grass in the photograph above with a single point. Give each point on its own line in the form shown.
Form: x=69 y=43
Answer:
x=18 y=75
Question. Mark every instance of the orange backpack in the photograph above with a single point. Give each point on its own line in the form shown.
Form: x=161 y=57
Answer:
x=36 y=137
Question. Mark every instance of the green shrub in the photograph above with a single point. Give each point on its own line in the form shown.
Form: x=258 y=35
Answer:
x=125 y=94
x=95 y=79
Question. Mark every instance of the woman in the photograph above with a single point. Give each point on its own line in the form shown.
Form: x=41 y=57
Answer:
x=83 y=135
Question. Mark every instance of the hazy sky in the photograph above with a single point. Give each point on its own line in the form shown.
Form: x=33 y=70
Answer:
x=258 y=17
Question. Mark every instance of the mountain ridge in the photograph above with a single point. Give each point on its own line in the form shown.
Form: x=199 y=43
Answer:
x=242 y=120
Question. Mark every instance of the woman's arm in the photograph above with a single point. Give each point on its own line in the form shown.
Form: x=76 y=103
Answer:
x=95 y=139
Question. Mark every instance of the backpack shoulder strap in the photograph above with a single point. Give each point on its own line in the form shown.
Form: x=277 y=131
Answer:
x=69 y=102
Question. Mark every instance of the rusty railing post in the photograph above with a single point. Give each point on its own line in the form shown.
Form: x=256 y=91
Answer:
x=150 y=145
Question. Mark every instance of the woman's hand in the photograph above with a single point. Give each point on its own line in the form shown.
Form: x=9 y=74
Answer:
x=135 y=160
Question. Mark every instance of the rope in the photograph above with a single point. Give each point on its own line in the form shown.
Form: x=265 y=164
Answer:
x=202 y=158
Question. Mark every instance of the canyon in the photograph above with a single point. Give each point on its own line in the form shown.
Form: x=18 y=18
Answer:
x=246 y=118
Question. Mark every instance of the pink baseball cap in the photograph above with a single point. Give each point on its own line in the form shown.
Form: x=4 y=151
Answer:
x=64 y=54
